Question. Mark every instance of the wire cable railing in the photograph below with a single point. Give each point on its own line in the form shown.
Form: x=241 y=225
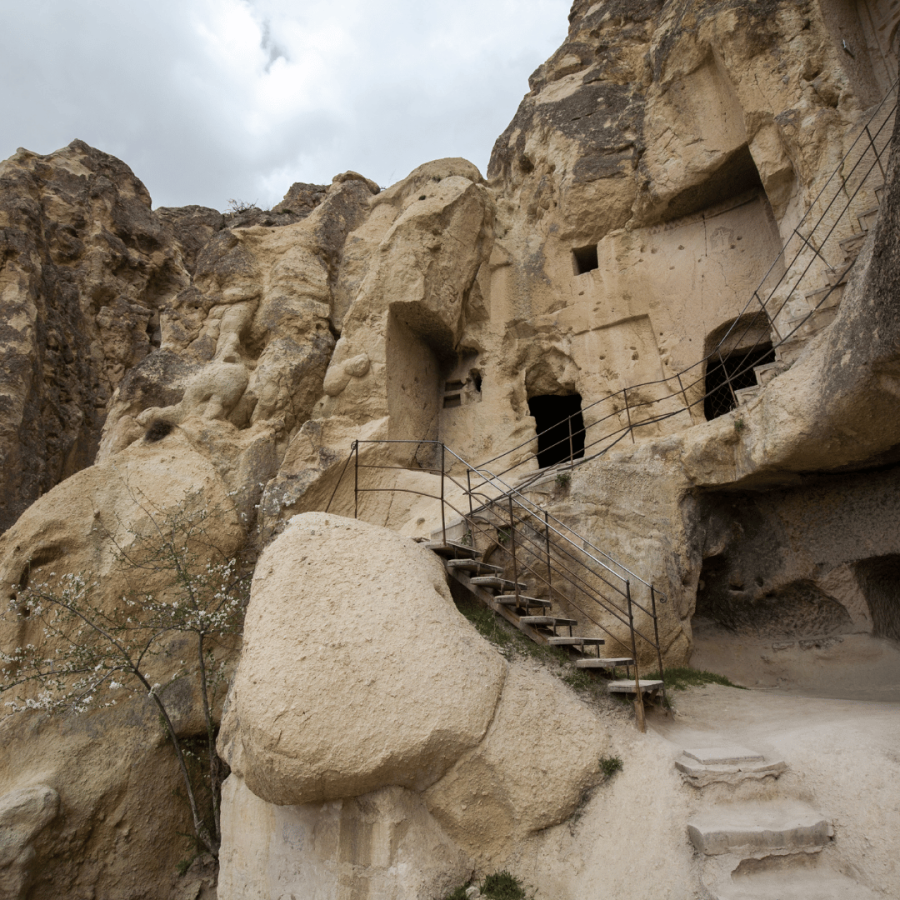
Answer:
x=572 y=571
x=763 y=325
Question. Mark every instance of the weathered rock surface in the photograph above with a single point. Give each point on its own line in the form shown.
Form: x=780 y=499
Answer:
x=536 y=762
x=643 y=188
x=84 y=270
x=23 y=815
x=384 y=844
x=113 y=770
x=356 y=671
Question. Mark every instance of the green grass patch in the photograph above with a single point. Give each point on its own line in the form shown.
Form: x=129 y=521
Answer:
x=609 y=765
x=502 y=886
x=457 y=893
x=678 y=678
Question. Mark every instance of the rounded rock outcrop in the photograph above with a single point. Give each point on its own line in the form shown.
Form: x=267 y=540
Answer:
x=357 y=672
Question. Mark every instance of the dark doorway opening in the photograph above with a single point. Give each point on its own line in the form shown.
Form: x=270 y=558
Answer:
x=736 y=368
x=560 y=428
x=585 y=259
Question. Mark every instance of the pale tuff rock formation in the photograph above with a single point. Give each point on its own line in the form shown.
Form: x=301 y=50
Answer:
x=116 y=820
x=356 y=668
x=644 y=187
x=362 y=699
x=23 y=815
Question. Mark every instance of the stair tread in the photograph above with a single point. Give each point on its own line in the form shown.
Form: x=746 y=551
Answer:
x=575 y=641
x=452 y=550
x=626 y=686
x=610 y=663
x=501 y=584
x=473 y=565
x=547 y=620
x=510 y=600
x=759 y=826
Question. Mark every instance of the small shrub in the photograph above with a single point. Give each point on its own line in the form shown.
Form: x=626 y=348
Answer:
x=240 y=206
x=609 y=765
x=680 y=677
x=563 y=479
x=503 y=535
x=503 y=886
x=458 y=893
x=739 y=426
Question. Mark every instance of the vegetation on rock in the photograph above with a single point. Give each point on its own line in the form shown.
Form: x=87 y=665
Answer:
x=81 y=656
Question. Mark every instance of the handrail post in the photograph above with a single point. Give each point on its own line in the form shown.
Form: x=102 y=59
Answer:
x=469 y=486
x=628 y=414
x=549 y=569
x=571 y=445
x=658 y=647
x=727 y=379
x=639 y=699
x=512 y=541
x=443 y=513
x=356 y=481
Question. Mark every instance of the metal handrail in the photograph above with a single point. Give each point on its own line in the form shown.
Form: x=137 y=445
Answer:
x=565 y=565
x=742 y=323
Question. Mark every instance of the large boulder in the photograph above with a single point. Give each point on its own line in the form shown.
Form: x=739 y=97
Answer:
x=357 y=672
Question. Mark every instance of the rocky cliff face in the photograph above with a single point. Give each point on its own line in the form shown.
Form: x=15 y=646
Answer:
x=644 y=187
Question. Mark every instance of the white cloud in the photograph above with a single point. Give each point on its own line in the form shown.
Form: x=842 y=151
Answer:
x=211 y=99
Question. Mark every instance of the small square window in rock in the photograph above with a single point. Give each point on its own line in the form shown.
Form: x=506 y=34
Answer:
x=585 y=259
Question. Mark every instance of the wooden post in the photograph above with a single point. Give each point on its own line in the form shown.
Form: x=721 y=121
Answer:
x=356 y=482
x=639 y=699
x=512 y=541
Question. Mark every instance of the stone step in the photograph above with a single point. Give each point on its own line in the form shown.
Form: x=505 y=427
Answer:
x=785 y=883
x=473 y=565
x=852 y=245
x=767 y=371
x=628 y=687
x=608 y=663
x=548 y=621
x=495 y=583
x=759 y=827
x=702 y=774
x=745 y=395
x=825 y=297
x=838 y=275
x=813 y=322
x=868 y=218
x=723 y=756
x=576 y=642
x=452 y=550
x=523 y=601
x=788 y=352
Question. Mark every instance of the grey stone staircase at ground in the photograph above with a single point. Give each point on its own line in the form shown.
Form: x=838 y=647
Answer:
x=760 y=849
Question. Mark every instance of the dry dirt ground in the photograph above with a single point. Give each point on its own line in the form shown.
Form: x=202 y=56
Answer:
x=832 y=713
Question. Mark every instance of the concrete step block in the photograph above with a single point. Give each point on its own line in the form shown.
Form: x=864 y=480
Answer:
x=793 y=879
x=766 y=372
x=576 y=642
x=628 y=686
x=825 y=297
x=609 y=663
x=452 y=550
x=472 y=567
x=494 y=583
x=764 y=827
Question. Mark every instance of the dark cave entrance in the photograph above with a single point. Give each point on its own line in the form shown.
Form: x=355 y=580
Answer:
x=560 y=428
x=737 y=369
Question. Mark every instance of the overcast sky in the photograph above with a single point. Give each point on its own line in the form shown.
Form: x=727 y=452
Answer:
x=209 y=100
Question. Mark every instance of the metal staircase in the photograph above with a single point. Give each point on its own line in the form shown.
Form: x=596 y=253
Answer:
x=525 y=564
